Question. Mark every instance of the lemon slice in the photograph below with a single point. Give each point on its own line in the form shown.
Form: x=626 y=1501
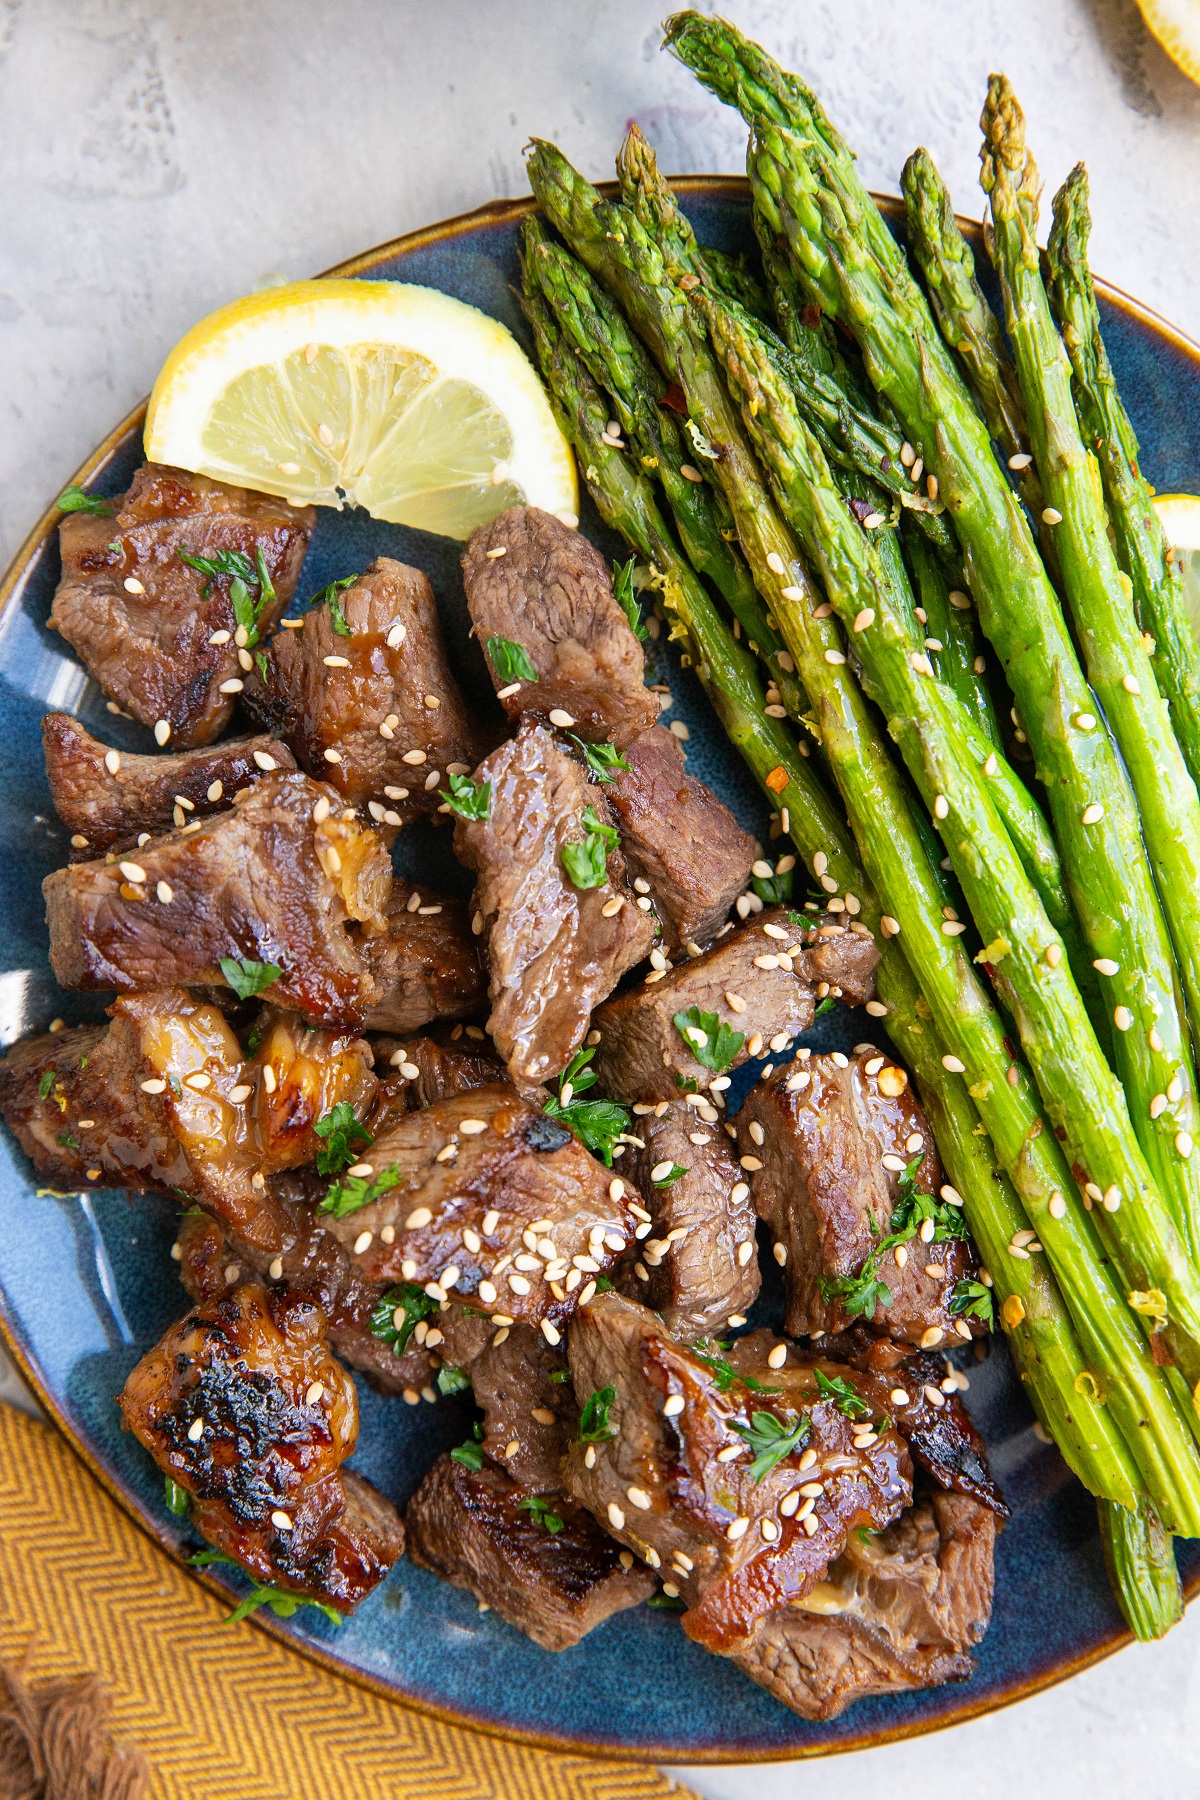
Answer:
x=1180 y=515
x=1176 y=25
x=377 y=394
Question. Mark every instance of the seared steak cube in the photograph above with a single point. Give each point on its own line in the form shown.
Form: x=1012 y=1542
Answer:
x=373 y=709
x=696 y=1265
x=435 y=1064
x=555 y=949
x=758 y=982
x=899 y=1609
x=491 y=1201
x=109 y=799
x=714 y=1475
x=275 y=879
x=826 y=1144
x=243 y=1406
x=158 y=635
x=919 y=1395
x=426 y=964
x=477 y=1529
x=535 y=585
x=682 y=845
x=530 y=1417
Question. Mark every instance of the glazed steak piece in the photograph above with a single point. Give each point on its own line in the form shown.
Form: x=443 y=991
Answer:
x=435 y=1064
x=491 y=1201
x=921 y=1396
x=427 y=964
x=898 y=1609
x=684 y=1487
x=108 y=798
x=163 y=1098
x=469 y=1527
x=275 y=879
x=697 y=1265
x=680 y=842
x=555 y=950
x=143 y=621
x=523 y=1388
x=826 y=1144
x=374 y=709
x=532 y=582
x=243 y=1406
x=760 y=981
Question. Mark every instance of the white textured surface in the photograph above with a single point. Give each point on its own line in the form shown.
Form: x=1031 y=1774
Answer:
x=159 y=158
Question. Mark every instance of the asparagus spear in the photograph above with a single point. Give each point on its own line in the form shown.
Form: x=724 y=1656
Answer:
x=1141 y=543
x=950 y=622
x=891 y=848
x=1041 y=1338
x=1141 y=1567
x=806 y=189
x=1080 y=1093
x=965 y=319
x=1098 y=594
x=618 y=363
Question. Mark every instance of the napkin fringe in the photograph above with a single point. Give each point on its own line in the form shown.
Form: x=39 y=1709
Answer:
x=55 y=1742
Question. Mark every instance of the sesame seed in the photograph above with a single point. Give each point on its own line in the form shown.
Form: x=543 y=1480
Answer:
x=952 y=928
x=933 y=1335
x=153 y=1086
x=640 y=1498
x=1131 y=684
x=1091 y=815
x=889 y=926
x=132 y=871
x=745 y=1249
x=363 y=1242
x=1153 y=1039
x=777 y=1357
x=196 y=1430
x=737 y=1529
x=1054 y=955
x=899 y=1397
x=1122 y=1018
x=834 y=656
x=616 y=1517
x=562 y=719
x=953 y=1064
x=941 y=807
x=112 y=761
x=917 y=470
x=611 y=907
x=1183 y=1143
x=679 y=729
x=690 y=473
x=1051 y=516
x=233 y=686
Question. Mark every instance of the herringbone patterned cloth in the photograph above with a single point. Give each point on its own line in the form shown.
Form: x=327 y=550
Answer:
x=227 y=1714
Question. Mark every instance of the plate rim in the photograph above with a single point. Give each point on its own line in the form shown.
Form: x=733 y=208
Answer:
x=500 y=212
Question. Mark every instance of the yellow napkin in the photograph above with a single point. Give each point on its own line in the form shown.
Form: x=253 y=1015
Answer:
x=227 y=1713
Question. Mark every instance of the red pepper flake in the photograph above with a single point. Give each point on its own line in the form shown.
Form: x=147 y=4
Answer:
x=777 y=780
x=810 y=317
x=1161 y=1352
x=674 y=398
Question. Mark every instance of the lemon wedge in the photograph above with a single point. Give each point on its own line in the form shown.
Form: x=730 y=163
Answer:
x=377 y=394
x=1176 y=25
x=1180 y=516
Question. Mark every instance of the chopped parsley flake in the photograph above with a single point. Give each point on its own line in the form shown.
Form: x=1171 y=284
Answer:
x=587 y=863
x=74 y=499
x=248 y=978
x=46 y=1084
x=540 y=1511
x=509 y=661
x=243 y=575
x=281 y=1602
x=177 y=1498
x=843 y=1393
x=710 y=1040
x=467 y=799
x=971 y=1300
x=673 y=1174
x=626 y=599
x=398 y=1313
x=451 y=1380
x=343 y=1135
x=598 y=1124
x=863 y=1293
x=331 y=597
x=355 y=1191
x=771 y=1439
x=594 y=1427
x=469 y=1454
x=603 y=760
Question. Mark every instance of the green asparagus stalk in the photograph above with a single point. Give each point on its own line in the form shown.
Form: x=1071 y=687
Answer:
x=1041 y=1338
x=807 y=190
x=732 y=276
x=892 y=852
x=949 y=620
x=1141 y=1567
x=618 y=363
x=1081 y=1096
x=966 y=320
x=1141 y=544
x=1097 y=592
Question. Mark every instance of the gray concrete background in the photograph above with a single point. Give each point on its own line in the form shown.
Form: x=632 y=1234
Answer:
x=158 y=159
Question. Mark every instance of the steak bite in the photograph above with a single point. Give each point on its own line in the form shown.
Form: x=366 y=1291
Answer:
x=477 y=1529
x=243 y=1406
x=489 y=1199
x=555 y=949
x=274 y=879
x=535 y=585
x=523 y=1388
x=436 y=1064
x=157 y=635
x=899 y=1609
x=759 y=981
x=680 y=842
x=696 y=1266
x=921 y=1397
x=373 y=708
x=426 y=964
x=108 y=799
x=714 y=1473
x=826 y=1145
x=163 y=1099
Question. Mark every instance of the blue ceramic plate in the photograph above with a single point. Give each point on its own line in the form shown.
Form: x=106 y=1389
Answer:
x=87 y=1284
